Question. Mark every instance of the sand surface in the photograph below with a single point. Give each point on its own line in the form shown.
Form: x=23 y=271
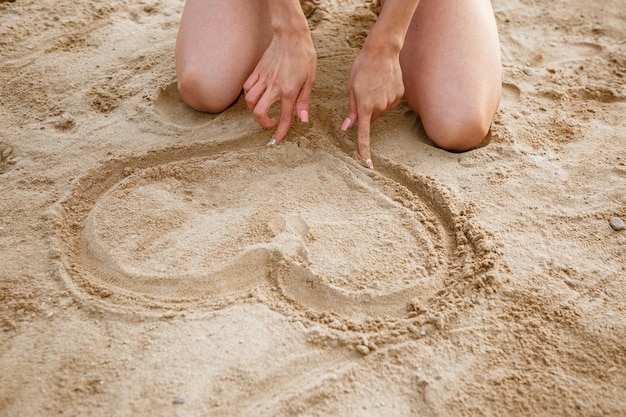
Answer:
x=158 y=261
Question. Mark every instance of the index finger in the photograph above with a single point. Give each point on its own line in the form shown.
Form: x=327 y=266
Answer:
x=363 y=139
x=286 y=114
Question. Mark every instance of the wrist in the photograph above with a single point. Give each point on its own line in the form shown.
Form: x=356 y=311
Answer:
x=288 y=18
x=384 y=44
x=390 y=29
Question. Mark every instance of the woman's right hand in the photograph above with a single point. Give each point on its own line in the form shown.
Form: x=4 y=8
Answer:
x=285 y=74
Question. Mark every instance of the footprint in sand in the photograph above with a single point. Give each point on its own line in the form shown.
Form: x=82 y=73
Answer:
x=557 y=54
x=172 y=110
x=195 y=229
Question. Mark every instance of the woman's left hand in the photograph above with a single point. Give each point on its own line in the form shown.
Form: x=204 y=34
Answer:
x=375 y=86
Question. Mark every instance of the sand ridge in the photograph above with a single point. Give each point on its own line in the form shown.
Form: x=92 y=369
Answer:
x=177 y=233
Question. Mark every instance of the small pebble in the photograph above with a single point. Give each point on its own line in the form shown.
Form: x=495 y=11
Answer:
x=335 y=324
x=362 y=349
x=178 y=400
x=63 y=122
x=528 y=72
x=6 y=153
x=315 y=331
x=440 y=324
x=617 y=224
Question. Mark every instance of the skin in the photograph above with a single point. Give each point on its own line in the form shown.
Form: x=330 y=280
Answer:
x=442 y=56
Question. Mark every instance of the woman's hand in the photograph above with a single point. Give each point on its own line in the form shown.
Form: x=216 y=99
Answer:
x=375 y=86
x=285 y=74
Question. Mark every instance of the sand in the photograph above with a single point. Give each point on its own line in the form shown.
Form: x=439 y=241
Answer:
x=159 y=261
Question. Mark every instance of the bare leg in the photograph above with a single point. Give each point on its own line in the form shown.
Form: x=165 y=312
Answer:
x=452 y=70
x=219 y=43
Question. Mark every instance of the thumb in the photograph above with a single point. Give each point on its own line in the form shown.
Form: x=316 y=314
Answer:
x=351 y=117
x=302 y=103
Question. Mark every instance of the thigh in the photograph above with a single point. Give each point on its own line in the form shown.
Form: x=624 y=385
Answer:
x=452 y=68
x=218 y=45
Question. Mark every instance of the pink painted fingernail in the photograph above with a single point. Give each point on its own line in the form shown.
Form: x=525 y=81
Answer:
x=304 y=116
x=346 y=124
x=369 y=163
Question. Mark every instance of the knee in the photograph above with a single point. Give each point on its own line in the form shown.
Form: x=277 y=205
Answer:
x=457 y=129
x=204 y=93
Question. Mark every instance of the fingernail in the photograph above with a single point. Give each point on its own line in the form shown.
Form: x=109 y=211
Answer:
x=271 y=142
x=346 y=124
x=304 y=116
x=369 y=163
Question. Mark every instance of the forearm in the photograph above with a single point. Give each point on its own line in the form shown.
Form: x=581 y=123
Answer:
x=391 y=26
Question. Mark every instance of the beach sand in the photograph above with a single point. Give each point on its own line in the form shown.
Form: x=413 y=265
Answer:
x=159 y=261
